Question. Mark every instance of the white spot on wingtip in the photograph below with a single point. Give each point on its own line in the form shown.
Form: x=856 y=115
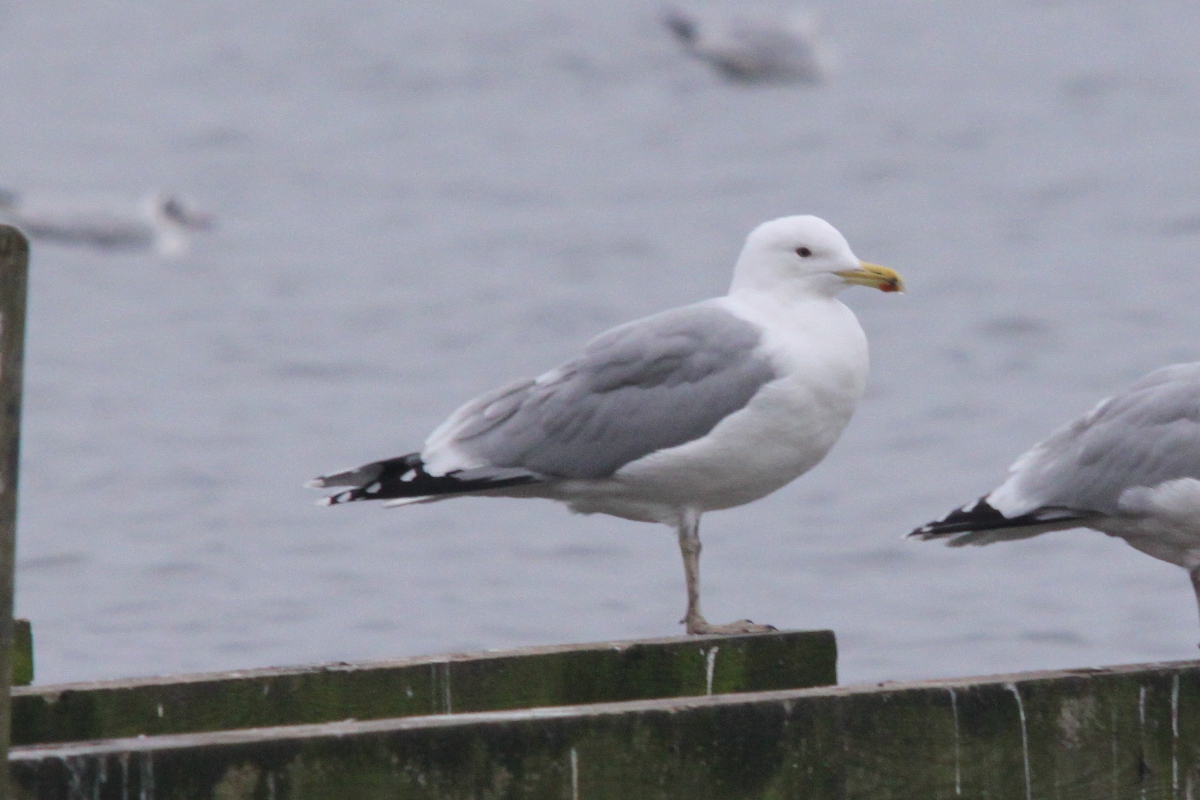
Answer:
x=315 y=483
x=342 y=497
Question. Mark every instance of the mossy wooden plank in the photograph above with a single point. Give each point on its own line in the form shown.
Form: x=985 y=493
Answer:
x=529 y=677
x=14 y=284
x=1116 y=734
x=22 y=653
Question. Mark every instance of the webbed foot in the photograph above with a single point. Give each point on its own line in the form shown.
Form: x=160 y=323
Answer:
x=700 y=626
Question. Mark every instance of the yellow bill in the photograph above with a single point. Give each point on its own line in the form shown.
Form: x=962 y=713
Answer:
x=875 y=276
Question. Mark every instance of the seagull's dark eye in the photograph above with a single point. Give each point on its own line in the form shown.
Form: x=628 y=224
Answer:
x=803 y=252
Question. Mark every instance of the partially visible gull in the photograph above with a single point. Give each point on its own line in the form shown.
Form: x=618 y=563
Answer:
x=753 y=47
x=158 y=221
x=1129 y=468
x=699 y=408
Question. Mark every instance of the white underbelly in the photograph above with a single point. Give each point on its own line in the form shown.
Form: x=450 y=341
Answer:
x=781 y=434
x=1162 y=521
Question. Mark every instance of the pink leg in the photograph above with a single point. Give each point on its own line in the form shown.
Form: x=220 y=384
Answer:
x=689 y=547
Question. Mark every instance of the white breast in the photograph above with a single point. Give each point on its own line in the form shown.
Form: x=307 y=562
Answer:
x=820 y=354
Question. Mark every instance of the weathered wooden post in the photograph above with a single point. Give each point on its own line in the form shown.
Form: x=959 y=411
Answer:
x=14 y=274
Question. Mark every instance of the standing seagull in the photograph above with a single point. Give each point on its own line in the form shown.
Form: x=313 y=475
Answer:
x=1129 y=468
x=695 y=409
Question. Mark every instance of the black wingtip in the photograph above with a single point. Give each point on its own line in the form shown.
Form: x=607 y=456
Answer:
x=337 y=499
x=405 y=477
x=979 y=516
x=981 y=523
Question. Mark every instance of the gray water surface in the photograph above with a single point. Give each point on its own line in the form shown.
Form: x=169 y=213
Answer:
x=421 y=201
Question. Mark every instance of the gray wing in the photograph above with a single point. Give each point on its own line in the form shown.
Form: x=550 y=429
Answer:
x=1143 y=436
x=651 y=384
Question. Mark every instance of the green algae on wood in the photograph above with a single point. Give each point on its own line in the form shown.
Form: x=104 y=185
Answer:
x=523 y=678
x=14 y=282
x=1128 y=732
x=22 y=653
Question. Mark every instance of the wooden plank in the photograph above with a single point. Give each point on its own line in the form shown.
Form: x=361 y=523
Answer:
x=14 y=280
x=1111 y=734
x=22 y=653
x=523 y=678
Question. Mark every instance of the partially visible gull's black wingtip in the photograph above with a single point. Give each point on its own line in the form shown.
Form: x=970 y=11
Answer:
x=981 y=523
x=977 y=516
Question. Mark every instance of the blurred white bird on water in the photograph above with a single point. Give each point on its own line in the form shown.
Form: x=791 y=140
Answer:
x=161 y=222
x=754 y=46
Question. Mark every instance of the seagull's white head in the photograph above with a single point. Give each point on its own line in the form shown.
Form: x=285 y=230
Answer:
x=808 y=255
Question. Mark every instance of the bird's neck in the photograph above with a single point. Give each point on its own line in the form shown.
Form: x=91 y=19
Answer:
x=785 y=308
x=790 y=289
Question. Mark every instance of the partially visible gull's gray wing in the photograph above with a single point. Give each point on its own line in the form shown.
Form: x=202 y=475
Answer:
x=1143 y=436
x=645 y=386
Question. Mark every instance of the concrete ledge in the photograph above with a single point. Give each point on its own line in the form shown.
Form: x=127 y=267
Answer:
x=1127 y=732
x=524 y=678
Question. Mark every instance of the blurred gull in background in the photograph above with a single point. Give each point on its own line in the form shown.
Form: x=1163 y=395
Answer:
x=159 y=221
x=754 y=46
x=695 y=409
